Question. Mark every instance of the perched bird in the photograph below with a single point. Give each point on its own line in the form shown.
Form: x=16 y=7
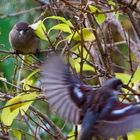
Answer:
x=23 y=39
x=97 y=109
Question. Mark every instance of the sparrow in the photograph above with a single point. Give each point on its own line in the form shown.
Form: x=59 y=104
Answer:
x=98 y=110
x=23 y=39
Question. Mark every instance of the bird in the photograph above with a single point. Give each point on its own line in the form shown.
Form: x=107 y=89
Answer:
x=98 y=110
x=23 y=39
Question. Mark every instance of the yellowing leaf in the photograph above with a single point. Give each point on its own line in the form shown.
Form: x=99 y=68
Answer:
x=27 y=82
x=111 y=2
x=61 y=19
x=135 y=135
x=76 y=65
x=40 y=29
x=100 y=18
x=87 y=35
x=62 y=27
x=124 y=77
x=19 y=103
x=72 y=133
x=77 y=50
x=93 y=8
x=17 y=134
x=136 y=77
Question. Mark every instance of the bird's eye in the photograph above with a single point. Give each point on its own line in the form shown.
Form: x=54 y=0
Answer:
x=25 y=30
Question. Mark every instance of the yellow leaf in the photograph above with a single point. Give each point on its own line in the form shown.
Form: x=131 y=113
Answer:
x=40 y=29
x=100 y=18
x=19 y=103
x=61 y=19
x=135 y=135
x=86 y=33
x=136 y=77
x=124 y=77
x=27 y=82
x=76 y=65
x=17 y=134
x=93 y=8
x=62 y=27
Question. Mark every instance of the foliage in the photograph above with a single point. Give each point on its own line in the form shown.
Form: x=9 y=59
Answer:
x=92 y=35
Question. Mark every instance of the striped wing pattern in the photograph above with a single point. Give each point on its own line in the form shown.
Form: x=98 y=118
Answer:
x=56 y=84
x=113 y=129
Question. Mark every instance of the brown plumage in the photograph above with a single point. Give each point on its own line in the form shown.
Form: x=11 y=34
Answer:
x=72 y=100
x=23 y=39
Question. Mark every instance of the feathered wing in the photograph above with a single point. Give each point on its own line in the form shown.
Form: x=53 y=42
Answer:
x=116 y=128
x=60 y=88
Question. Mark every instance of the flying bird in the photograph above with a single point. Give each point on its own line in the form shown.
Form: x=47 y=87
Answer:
x=97 y=109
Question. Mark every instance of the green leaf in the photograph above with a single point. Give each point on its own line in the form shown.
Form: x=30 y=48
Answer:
x=62 y=27
x=124 y=77
x=87 y=35
x=17 y=134
x=16 y=105
x=134 y=135
x=100 y=18
x=40 y=29
x=61 y=19
x=76 y=65
x=77 y=50
x=93 y=8
x=27 y=81
x=136 y=77
x=110 y=2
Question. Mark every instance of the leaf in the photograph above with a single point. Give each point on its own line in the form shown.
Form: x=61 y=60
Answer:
x=62 y=27
x=15 y=105
x=100 y=18
x=134 y=135
x=61 y=19
x=40 y=29
x=87 y=35
x=72 y=133
x=76 y=65
x=77 y=50
x=17 y=134
x=136 y=77
x=124 y=77
x=93 y=8
x=110 y=2
x=27 y=82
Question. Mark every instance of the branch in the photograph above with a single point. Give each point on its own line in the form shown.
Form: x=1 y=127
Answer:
x=58 y=132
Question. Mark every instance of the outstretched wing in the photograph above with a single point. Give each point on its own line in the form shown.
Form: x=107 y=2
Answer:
x=124 y=120
x=114 y=129
x=62 y=90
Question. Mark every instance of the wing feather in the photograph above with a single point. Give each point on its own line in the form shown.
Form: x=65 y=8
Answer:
x=113 y=129
x=57 y=84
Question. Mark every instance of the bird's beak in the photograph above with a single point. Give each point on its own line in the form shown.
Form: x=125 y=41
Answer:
x=21 y=32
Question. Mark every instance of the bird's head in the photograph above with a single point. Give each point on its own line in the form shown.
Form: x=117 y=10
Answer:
x=114 y=83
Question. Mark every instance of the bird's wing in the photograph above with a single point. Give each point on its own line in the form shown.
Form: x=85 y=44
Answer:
x=116 y=128
x=61 y=89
